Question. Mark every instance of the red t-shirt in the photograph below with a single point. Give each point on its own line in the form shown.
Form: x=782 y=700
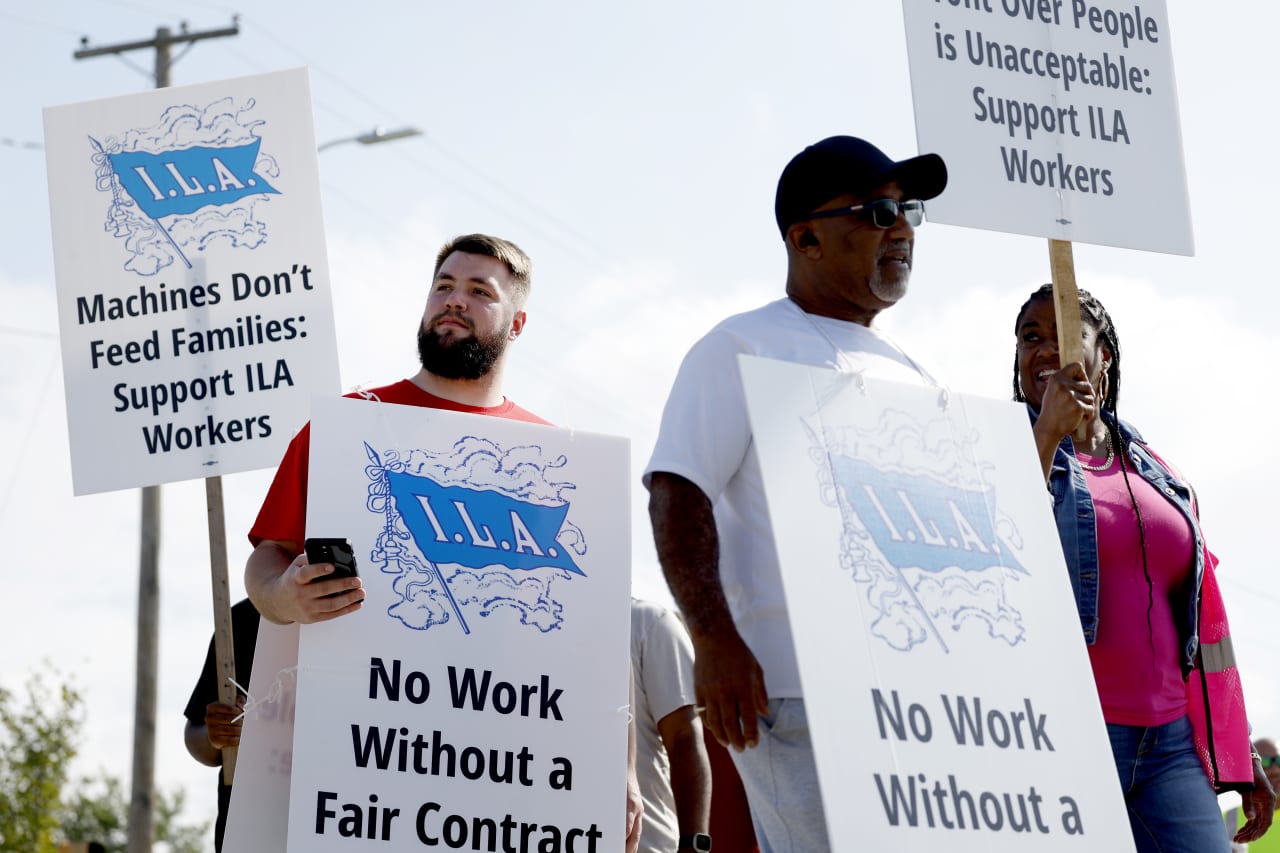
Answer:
x=283 y=517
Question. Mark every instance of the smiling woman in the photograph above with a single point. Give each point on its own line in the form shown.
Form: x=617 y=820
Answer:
x=1146 y=591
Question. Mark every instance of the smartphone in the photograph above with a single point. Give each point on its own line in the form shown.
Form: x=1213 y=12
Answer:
x=335 y=551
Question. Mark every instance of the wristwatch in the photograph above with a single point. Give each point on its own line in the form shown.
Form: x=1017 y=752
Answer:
x=698 y=841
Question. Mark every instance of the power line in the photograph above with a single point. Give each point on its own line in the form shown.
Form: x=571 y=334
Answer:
x=568 y=239
x=143 y=8
x=336 y=79
x=28 y=333
x=31 y=431
x=43 y=25
x=555 y=220
x=14 y=143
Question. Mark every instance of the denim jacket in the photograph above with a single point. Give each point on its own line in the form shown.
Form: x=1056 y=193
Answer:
x=1215 y=698
x=1077 y=528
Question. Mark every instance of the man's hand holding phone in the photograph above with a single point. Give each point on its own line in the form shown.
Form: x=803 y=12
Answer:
x=286 y=587
x=328 y=569
x=333 y=552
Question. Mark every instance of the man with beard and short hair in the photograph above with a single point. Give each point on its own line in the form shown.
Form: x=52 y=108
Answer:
x=474 y=311
x=847 y=214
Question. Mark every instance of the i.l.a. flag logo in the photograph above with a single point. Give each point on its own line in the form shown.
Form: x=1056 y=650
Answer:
x=922 y=533
x=183 y=181
x=477 y=528
x=472 y=532
x=192 y=178
x=916 y=520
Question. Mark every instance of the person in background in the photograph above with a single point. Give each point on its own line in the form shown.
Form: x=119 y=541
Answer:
x=475 y=309
x=1269 y=757
x=1146 y=590
x=675 y=775
x=212 y=725
x=633 y=822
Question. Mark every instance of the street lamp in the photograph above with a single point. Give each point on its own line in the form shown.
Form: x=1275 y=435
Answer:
x=373 y=137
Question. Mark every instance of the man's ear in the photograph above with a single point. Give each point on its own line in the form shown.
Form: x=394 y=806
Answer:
x=801 y=238
x=517 y=325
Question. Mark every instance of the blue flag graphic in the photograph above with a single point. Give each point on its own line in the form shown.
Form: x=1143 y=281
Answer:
x=919 y=521
x=478 y=528
x=182 y=182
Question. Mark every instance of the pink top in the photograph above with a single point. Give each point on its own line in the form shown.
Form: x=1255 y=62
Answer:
x=1136 y=668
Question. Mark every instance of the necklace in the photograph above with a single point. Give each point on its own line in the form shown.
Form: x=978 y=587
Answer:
x=1111 y=457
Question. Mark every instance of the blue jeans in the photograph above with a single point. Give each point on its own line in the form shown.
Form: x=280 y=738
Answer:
x=1172 y=806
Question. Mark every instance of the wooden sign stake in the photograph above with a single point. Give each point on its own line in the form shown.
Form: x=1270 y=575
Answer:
x=1066 y=309
x=224 y=650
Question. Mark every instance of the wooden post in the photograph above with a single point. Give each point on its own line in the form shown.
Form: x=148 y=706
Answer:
x=224 y=649
x=142 y=782
x=1066 y=309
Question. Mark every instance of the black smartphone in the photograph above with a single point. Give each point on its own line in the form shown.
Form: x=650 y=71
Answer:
x=335 y=551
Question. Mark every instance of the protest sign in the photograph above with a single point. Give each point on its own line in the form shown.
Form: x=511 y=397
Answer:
x=193 y=286
x=945 y=675
x=479 y=696
x=1057 y=118
x=256 y=818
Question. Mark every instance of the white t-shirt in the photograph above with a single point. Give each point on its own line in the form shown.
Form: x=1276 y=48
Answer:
x=662 y=666
x=705 y=437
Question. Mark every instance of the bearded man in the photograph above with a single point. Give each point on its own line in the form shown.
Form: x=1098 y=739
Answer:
x=474 y=311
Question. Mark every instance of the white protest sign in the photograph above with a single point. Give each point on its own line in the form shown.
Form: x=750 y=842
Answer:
x=257 y=816
x=1056 y=118
x=478 y=699
x=945 y=675
x=193 y=286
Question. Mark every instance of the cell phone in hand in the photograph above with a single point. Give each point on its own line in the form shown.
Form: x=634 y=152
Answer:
x=335 y=551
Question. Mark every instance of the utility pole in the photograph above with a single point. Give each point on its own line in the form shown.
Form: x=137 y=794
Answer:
x=142 y=796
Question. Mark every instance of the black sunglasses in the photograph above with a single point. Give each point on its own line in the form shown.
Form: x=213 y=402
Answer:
x=883 y=212
x=1269 y=761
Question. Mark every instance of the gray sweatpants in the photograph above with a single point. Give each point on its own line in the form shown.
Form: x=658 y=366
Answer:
x=781 y=782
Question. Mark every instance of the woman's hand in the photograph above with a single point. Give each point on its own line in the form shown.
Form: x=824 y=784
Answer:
x=1259 y=806
x=1067 y=403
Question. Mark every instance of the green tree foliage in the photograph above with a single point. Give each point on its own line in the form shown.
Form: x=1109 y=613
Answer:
x=38 y=740
x=37 y=743
x=99 y=809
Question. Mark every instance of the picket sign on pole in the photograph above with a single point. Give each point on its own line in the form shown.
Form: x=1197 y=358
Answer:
x=1063 y=154
x=219 y=342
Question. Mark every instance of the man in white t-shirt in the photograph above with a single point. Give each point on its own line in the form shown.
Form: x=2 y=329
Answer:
x=671 y=757
x=847 y=214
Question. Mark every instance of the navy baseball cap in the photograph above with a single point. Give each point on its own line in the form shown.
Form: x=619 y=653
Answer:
x=846 y=164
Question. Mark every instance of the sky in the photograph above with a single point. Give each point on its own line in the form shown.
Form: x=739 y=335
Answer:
x=633 y=151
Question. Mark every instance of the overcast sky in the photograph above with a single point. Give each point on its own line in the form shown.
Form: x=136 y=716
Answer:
x=633 y=151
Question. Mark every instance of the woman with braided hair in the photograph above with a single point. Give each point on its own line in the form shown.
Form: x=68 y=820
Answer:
x=1145 y=588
